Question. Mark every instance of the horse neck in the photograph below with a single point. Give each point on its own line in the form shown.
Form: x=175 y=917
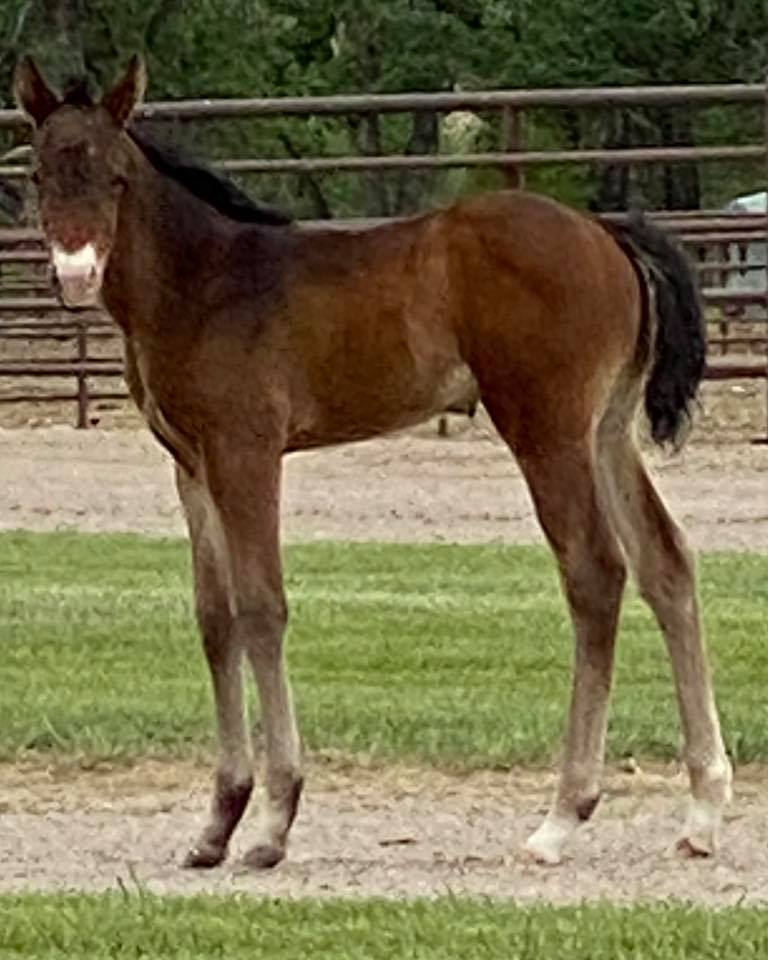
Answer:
x=164 y=238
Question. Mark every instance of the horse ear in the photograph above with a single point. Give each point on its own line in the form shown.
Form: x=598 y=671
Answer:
x=125 y=96
x=32 y=93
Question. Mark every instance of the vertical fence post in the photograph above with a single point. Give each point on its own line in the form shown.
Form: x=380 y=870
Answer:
x=82 y=376
x=723 y=254
x=764 y=438
x=512 y=139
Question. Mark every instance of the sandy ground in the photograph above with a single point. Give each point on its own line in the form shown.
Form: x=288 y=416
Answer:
x=413 y=487
x=383 y=833
x=364 y=832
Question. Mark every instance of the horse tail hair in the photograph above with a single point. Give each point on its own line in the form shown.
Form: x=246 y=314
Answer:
x=674 y=323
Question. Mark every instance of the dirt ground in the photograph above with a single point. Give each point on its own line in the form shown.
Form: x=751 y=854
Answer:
x=412 y=487
x=369 y=832
x=389 y=832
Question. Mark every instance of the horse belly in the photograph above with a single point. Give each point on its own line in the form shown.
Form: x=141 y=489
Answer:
x=370 y=402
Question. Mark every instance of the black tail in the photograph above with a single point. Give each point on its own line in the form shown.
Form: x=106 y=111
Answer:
x=680 y=335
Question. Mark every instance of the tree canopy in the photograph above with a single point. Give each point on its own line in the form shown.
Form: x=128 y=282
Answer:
x=221 y=48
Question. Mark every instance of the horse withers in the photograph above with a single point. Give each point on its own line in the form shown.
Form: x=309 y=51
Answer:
x=248 y=336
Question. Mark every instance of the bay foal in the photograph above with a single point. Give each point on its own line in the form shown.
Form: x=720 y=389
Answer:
x=247 y=337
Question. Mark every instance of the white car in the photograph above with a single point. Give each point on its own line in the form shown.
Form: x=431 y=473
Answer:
x=748 y=254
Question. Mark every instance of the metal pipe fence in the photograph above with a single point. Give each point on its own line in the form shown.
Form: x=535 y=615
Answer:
x=28 y=313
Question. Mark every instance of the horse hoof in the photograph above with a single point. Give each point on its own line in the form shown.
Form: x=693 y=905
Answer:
x=542 y=856
x=204 y=857
x=545 y=845
x=264 y=856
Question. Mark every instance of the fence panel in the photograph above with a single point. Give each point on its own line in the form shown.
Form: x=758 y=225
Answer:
x=30 y=314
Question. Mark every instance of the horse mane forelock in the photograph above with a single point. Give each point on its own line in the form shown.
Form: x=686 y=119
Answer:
x=77 y=93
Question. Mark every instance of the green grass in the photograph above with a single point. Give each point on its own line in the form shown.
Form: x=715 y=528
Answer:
x=114 y=925
x=458 y=656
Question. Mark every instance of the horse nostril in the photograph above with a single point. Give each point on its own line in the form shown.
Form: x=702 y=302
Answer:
x=91 y=274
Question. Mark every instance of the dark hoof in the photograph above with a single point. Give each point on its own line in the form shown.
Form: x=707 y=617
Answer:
x=204 y=857
x=263 y=857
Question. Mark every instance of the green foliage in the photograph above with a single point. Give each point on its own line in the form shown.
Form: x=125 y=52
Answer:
x=451 y=655
x=223 y=48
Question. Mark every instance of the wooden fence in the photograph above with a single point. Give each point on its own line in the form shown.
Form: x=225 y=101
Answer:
x=29 y=314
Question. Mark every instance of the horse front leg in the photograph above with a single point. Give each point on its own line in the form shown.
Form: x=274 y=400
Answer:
x=245 y=488
x=233 y=781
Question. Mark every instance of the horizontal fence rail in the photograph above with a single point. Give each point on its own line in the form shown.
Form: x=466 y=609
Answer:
x=217 y=109
x=509 y=158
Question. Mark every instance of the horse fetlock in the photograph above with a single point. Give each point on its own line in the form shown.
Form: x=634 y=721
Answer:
x=230 y=799
x=711 y=788
x=278 y=811
x=272 y=831
x=712 y=782
x=587 y=806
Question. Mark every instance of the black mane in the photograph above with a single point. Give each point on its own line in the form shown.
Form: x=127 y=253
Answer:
x=212 y=188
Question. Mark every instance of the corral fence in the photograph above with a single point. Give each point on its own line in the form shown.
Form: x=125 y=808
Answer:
x=30 y=315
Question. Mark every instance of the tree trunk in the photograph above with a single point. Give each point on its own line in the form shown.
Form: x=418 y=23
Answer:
x=682 y=189
x=612 y=191
x=415 y=186
x=309 y=184
x=360 y=27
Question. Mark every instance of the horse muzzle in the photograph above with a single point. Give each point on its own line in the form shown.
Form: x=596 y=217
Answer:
x=79 y=275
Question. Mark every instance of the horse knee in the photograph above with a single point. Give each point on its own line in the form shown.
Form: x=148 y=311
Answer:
x=260 y=625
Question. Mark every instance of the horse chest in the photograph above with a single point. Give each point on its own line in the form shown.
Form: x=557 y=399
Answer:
x=166 y=432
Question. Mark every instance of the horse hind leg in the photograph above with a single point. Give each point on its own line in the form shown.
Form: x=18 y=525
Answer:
x=664 y=569
x=563 y=484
